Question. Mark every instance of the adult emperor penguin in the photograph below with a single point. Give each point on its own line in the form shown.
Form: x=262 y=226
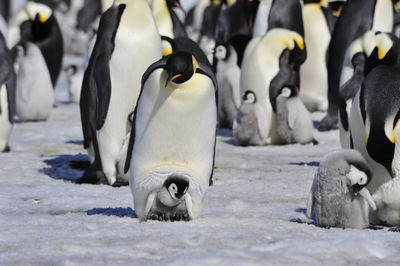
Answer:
x=7 y=95
x=4 y=16
x=370 y=50
x=275 y=14
x=270 y=63
x=338 y=194
x=172 y=143
x=127 y=43
x=357 y=17
x=375 y=132
x=228 y=77
x=318 y=23
x=167 y=21
x=293 y=121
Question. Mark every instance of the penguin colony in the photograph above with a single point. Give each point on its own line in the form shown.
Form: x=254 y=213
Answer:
x=156 y=80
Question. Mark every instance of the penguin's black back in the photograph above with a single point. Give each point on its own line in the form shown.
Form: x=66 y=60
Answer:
x=5 y=9
x=286 y=14
x=88 y=13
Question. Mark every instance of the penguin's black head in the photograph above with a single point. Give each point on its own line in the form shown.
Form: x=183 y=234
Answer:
x=177 y=185
x=361 y=178
x=249 y=97
x=180 y=67
x=384 y=53
x=42 y=26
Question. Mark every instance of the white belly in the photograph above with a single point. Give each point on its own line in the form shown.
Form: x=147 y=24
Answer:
x=313 y=73
x=5 y=125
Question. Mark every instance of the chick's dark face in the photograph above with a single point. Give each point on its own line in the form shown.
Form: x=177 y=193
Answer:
x=180 y=67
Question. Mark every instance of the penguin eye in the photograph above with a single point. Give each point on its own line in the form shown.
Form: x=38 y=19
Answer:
x=174 y=188
x=362 y=180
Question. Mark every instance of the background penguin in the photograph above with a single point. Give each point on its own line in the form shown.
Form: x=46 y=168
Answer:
x=375 y=129
x=167 y=21
x=4 y=16
x=338 y=194
x=357 y=17
x=34 y=92
x=318 y=23
x=251 y=122
x=270 y=63
x=7 y=95
x=173 y=135
x=89 y=12
x=272 y=14
x=294 y=124
x=127 y=43
x=228 y=77
x=75 y=78
x=194 y=19
x=372 y=49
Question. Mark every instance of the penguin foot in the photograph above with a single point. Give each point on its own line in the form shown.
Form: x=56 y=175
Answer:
x=120 y=184
x=394 y=229
x=7 y=149
x=327 y=123
x=157 y=216
x=375 y=227
x=315 y=142
x=90 y=176
x=179 y=215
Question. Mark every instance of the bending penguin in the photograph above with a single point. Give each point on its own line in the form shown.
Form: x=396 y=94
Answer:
x=356 y=18
x=172 y=144
x=270 y=63
x=338 y=194
x=7 y=95
x=375 y=132
x=127 y=43
x=372 y=49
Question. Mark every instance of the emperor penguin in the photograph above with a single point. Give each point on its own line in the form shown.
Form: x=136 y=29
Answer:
x=370 y=50
x=4 y=16
x=375 y=131
x=356 y=18
x=7 y=94
x=167 y=21
x=172 y=143
x=127 y=43
x=45 y=33
x=271 y=14
x=294 y=124
x=271 y=62
x=338 y=195
x=228 y=77
x=251 y=122
x=318 y=24
x=34 y=90
x=88 y=13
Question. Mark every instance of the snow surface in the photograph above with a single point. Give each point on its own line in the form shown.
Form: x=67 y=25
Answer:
x=253 y=215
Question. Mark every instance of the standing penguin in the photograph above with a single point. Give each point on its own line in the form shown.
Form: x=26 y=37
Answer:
x=172 y=144
x=127 y=43
x=338 y=194
x=294 y=124
x=167 y=21
x=372 y=49
x=4 y=16
x=357 y=17
x=318 y=25
x=270 y=63
x=375 y=131
x=7 y=95
x=250 y=125
x=228 y=77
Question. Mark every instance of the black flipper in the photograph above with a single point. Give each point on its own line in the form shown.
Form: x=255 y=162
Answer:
x=96 y=86
x=178 y=27
x=158 y=64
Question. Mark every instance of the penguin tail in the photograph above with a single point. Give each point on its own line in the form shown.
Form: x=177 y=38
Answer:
x=92 y=175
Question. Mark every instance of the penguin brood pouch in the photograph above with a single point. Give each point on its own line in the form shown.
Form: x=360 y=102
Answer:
x=172 y=145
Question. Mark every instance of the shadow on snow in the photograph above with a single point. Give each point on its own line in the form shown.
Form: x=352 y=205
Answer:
x=119 y=212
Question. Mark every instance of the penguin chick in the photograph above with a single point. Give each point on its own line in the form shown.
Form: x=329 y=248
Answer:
x=294 y=124
x=75 y=78
x=250 y=117
x=169 y=202
x=338 y=194
x=228 y=77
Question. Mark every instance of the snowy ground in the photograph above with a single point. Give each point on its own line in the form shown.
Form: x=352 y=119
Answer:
x=253 y=215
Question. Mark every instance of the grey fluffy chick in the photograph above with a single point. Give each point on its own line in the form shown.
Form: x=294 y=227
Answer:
x=294 y=124
x=338 y=194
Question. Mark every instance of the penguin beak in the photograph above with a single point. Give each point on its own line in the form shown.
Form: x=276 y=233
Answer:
x=172 y=78
x=367 y=196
